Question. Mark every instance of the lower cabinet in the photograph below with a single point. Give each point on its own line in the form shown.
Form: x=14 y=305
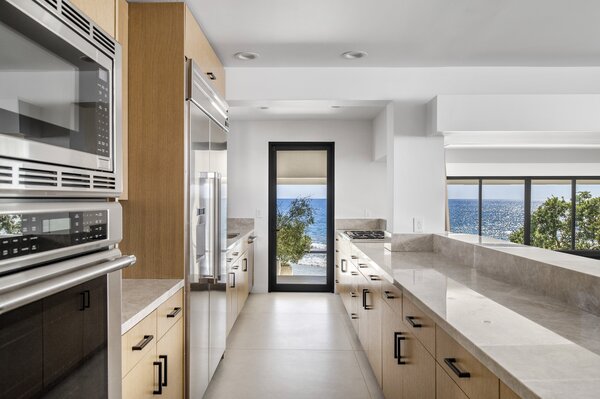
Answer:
x=239 y=280
x=408 y=368
x=153 y=353
x=445 y=387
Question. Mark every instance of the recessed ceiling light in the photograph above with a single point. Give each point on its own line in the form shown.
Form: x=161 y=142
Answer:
x=263 y=107
x=353 y=55
x=246 y=56
x=336 y=106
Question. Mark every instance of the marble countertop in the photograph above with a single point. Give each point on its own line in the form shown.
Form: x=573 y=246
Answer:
x=538 y=346
x=140 y=297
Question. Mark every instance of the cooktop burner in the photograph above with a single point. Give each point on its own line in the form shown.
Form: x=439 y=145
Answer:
x=365 y=234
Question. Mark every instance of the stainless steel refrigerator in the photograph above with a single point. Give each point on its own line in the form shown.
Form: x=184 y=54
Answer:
x=206 y=276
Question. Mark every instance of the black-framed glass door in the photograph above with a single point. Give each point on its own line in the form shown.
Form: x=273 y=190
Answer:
x=301 y=216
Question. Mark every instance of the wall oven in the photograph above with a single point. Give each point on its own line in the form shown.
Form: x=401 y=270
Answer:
x=60 y=299
x=59 y=102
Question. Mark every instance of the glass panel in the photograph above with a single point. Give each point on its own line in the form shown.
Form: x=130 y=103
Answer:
x=503 y=209
x=587 y=215
x=51 y=92
x=463 y=206
x=302 y=217
x=551 y=214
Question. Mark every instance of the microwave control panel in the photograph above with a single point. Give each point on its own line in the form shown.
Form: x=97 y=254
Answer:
x=25 y=234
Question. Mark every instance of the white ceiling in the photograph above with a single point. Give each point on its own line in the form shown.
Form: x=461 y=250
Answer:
x=404 y=32
x=305 y=109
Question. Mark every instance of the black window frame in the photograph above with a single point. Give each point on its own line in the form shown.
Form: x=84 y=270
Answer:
x=595 y=254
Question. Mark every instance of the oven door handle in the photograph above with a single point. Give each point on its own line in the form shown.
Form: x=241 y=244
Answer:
x=24 y=295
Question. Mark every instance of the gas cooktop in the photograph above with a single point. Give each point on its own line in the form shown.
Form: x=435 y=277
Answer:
x=365 y=234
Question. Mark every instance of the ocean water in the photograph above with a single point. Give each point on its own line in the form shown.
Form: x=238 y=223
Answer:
x=312 y=263
x=499 y=217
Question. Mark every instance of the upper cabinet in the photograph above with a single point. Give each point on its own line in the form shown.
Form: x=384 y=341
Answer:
x=102 y=12
x=199 y=49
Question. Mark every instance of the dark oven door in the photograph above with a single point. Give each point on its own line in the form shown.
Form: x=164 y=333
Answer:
x=57 y=80
x=57 y=347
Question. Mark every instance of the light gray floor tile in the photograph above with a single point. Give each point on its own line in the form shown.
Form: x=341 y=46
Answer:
x=288 y=374
x=294 y=303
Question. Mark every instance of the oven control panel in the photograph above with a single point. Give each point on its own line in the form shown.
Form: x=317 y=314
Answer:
x=30 y=233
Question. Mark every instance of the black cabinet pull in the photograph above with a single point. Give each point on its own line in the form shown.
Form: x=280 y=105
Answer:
x=159 y=390
x=353 y=316
x=337 y=250
x=353 y=295
x=233 y=284
x=374 y=277
x=366 y=291
x=211 y=75
x=236 y=253
x=142 y=344
x=165 y=369
x=411 y=321
x=175 y=312
x=229 y=259
x=354 y=273
x=362 y=266
x=85 y=300
x=342 y=264
x=460 y=374
x=235 y=267
x=245 y=265
x=389 y=295
x=398 y=338
x=354 y=257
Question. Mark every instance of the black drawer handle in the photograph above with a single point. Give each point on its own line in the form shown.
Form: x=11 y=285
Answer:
x=142 y=344
x=85 y=300
x=236 y=253
x=398 y=338
x=353 y=316
x=363 y=265
x=460 y=374
x=337 y=250
x=175 y=312
x=353 y=295
x=411 y=321
x=354 y=273
x=229 y=259
x=374 y=277
x=245 y=265
x=389 y=295
x=337 y=281
x=354 y=257
x=159 y=390
x=343 y=263
x=232 y=285
x=235 y=267
x=366 y=291
x=166 y=372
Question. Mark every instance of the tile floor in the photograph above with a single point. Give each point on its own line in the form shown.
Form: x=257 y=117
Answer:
x=296 y=346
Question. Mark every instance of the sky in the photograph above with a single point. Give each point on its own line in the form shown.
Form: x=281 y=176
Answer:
x=314 y=191
x=516 y=191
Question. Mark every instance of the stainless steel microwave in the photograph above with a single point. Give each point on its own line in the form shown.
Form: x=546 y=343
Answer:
x=60 y=89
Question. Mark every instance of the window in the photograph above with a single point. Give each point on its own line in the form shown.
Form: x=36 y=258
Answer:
x=553 y=213
x=502 y=208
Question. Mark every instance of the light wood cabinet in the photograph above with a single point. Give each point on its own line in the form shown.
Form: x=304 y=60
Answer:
x=153 y=353
x=473 y=378
x=445 y=387
x=507 y=393
x=232 y=295
x=420 y=369
x=155 y=212
x=375 y=308
x=238 y=282
x=102 y=12
x=168 y=350
x=392 y=371
x=419 y=324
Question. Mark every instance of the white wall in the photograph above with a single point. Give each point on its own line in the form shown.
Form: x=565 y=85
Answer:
x=360 y=183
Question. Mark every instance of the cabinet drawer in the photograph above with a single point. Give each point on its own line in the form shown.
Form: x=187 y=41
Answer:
x=138 y=342
x=392 y=295
x=477 y=382
x=419 y=324
x=507 y=393
x=169 y=313
x=445 y=387
x=143 y=379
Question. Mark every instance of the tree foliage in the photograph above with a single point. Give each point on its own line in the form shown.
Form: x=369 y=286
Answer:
x=292 y=241
x=551 y=223
x=10 y=224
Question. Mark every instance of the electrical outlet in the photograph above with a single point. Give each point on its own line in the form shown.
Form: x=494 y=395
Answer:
x=258 y=213
x=367 y=213
x=417 y=225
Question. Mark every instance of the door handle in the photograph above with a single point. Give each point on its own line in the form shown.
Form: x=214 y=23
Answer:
x=398 y=338
x=450 y=362
x=245 y=265
x=85 y=300
x=165 y=369
x=366 y=291
x=159 y=390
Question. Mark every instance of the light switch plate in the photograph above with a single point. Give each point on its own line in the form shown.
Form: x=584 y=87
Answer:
x=417 y=225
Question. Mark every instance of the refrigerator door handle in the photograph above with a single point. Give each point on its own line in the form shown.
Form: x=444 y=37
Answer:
x=216 y=226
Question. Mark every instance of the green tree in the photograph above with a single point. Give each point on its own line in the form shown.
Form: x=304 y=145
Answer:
x=292 y=241
x=10 y=224
x=551 y=223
